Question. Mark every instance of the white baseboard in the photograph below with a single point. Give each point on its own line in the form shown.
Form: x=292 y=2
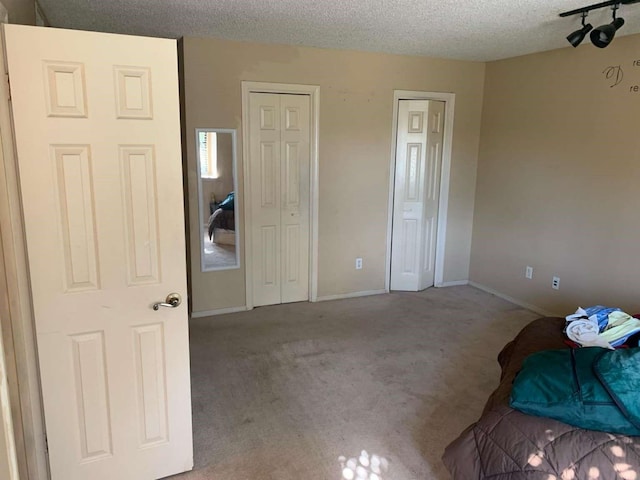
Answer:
x=520 y=303
x=455 y=283
x=340 y=296
x=220 y=311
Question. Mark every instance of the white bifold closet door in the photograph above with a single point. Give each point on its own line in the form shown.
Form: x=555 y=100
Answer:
x=97 y=128
x=279 y=157
x=417 y=189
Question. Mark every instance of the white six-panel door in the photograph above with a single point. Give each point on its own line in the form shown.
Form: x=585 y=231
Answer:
x=433 y=167
x=279 y=169
x=98 y=144
x=417 y=187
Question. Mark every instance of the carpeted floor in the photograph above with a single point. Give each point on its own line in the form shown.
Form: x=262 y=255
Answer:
x=281 y=392
x=218 y=254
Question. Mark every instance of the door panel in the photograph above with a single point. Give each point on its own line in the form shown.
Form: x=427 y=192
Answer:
x=413 y=172
x=268 y=245
x=410 y=250
x=435 y=138
x=140 y=200
x=295 y=214
x=269 y=168
x=415 y=208
x=280 y=169
x=292 y=259
x=292 y=176
x=75 y=206
x=90 y=376
x=265 y=187
x=152 y=393
x=407 y=234
x=101 y=182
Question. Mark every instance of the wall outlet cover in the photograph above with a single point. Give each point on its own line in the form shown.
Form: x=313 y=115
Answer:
x=528 y=273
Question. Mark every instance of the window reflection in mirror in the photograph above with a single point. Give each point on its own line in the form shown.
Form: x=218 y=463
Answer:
x=219 y=239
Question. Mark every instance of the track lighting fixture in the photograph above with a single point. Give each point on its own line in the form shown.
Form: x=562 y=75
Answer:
x=576 y=37
x=603 y=35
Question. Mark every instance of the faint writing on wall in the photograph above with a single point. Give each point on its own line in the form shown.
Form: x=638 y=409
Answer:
x=614 y=74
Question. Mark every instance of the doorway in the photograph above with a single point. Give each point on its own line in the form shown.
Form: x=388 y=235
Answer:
x=419 y=188
x=280 y=125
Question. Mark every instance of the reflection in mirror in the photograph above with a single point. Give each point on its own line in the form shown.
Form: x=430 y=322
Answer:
x=219 y=243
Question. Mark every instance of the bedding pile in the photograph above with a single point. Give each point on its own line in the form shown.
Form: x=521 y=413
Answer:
x=593 y=388
x=601 y=326
x=506 y=444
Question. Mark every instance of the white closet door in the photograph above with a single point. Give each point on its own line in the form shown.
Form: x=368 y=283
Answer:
x=97 y=129
x=279 y=169
x=417 y=183
x=295 y=165
x=264 y=126
x=435 y=138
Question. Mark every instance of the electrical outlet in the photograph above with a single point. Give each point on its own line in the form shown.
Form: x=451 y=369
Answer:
x=555 y=283
x=358 y=263
x=529 y=272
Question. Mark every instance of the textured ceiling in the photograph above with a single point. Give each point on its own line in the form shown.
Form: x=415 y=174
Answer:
x=461 y=29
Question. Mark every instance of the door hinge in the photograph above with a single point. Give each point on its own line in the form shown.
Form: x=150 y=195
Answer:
x=8 y=86
x=46 y=445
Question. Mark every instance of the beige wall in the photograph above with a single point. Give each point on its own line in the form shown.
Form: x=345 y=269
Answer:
x=21 y=11
x=356 y=97
x=559 y=177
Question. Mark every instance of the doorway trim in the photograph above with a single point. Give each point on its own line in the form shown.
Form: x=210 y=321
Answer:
x=293 y=89
x=23 y=375
x=443 y=200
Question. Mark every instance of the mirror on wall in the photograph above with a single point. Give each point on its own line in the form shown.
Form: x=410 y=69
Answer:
x=217 y=184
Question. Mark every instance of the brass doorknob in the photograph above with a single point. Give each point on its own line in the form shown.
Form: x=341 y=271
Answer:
x=172 y=301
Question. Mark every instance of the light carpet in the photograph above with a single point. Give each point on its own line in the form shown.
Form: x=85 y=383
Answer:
x=218 y=254
x=281 y=392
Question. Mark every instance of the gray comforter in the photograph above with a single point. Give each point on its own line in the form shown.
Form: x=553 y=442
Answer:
x=505 y=444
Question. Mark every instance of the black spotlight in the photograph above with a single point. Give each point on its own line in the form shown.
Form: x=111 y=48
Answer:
x=575 y=38
x=603 y=35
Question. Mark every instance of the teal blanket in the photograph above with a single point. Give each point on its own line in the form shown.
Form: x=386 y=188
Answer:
x=592 y=388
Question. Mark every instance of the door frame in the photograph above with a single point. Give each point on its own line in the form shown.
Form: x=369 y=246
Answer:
x=21 y=358
x=445 y=172
x=282 y=88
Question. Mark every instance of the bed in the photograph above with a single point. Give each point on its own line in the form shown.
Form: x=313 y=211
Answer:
x=505 y=444
x=222 y=227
